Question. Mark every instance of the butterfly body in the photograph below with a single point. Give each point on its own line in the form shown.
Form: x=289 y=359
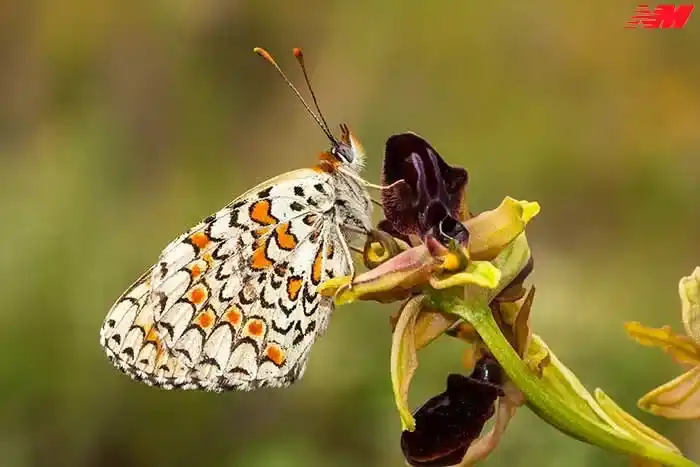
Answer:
x=232 y=303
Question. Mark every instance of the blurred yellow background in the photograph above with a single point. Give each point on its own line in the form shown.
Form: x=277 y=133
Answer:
x=122 y=124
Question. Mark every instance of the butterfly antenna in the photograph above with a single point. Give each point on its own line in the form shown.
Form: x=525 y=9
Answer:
x=322 y=124
x=300 y=58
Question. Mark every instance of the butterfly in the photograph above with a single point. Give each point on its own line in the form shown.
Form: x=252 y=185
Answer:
x=233 y=303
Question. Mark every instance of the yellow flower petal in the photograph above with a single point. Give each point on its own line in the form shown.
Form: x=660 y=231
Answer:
x=491 y=231
x=404 y=360
x=677 y=399
x=480 y=273
x=689 y=291
x=391 y=281
x=682 y=348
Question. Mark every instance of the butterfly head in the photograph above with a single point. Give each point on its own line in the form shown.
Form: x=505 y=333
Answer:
x=348 y=150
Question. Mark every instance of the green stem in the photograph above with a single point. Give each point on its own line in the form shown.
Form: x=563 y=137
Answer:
x=545 y=402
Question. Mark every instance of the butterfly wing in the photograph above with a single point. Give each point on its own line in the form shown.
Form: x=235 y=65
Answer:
x=233 y=302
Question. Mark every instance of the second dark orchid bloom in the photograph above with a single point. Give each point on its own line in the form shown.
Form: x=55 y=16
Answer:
x=463 y=276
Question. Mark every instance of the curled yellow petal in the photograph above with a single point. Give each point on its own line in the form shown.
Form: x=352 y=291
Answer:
x=682 y=348
x=689 y=291
x=677 y=399
x=491 y=231
x=480 y=273
x=391 y=281
x=404 y=360
x=380 y=247
x=331 y=286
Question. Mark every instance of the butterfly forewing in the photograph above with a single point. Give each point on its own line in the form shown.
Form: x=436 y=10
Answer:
x=233 y=302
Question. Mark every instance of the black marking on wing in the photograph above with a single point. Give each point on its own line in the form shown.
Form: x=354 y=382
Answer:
x=312 y=311
x=233 y=221
x=308 y=297
x=275 y=284
x=280 y=329
x=245 y=300
x=281 y=268
x=264 y=303
x=285 y=310
x=219 y=276
x=299 y=333
x=210 y=361
x=162 y=299
x=162 y=269
x=239 y=370
x=246 y=340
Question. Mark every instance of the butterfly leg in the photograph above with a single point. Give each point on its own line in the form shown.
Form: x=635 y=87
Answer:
x=364 y=182
x=346 y=250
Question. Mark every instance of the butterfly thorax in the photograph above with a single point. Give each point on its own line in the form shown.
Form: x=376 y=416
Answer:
x=327 y=163
x=353 y=205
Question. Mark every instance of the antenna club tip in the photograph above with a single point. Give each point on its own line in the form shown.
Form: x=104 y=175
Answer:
x=262 y=52
x=297 y=52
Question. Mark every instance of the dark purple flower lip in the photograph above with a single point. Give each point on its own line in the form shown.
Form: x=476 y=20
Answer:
x=427 y=189
x=447 y=424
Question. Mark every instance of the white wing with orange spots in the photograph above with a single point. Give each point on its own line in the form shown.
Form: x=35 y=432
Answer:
x=233 y=302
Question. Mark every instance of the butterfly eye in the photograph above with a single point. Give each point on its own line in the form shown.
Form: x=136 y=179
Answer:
x=343 y=153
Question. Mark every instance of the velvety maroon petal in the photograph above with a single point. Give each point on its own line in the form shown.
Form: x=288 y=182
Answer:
x=430 y=191
x=448 y=423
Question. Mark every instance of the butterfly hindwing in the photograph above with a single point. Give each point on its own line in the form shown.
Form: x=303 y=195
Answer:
x=233 y=302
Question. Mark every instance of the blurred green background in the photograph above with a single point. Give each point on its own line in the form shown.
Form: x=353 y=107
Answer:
x=122 y=124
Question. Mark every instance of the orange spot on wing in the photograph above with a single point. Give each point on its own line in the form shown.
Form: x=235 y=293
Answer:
x=198 y=295
x=261 y=212
x=153 y=336
x=256 y=327
x=316 y=270
x=199 y=239
x=196 y=271
x=257 y=233
x=275 y=354
x=208 y=259
x=285 y=239
x=205 y=319
x=294 y=286
x=259 y=259
x=233 y=316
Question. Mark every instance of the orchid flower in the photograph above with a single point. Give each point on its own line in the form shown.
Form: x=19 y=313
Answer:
x=679 y=398
x=463 y=276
